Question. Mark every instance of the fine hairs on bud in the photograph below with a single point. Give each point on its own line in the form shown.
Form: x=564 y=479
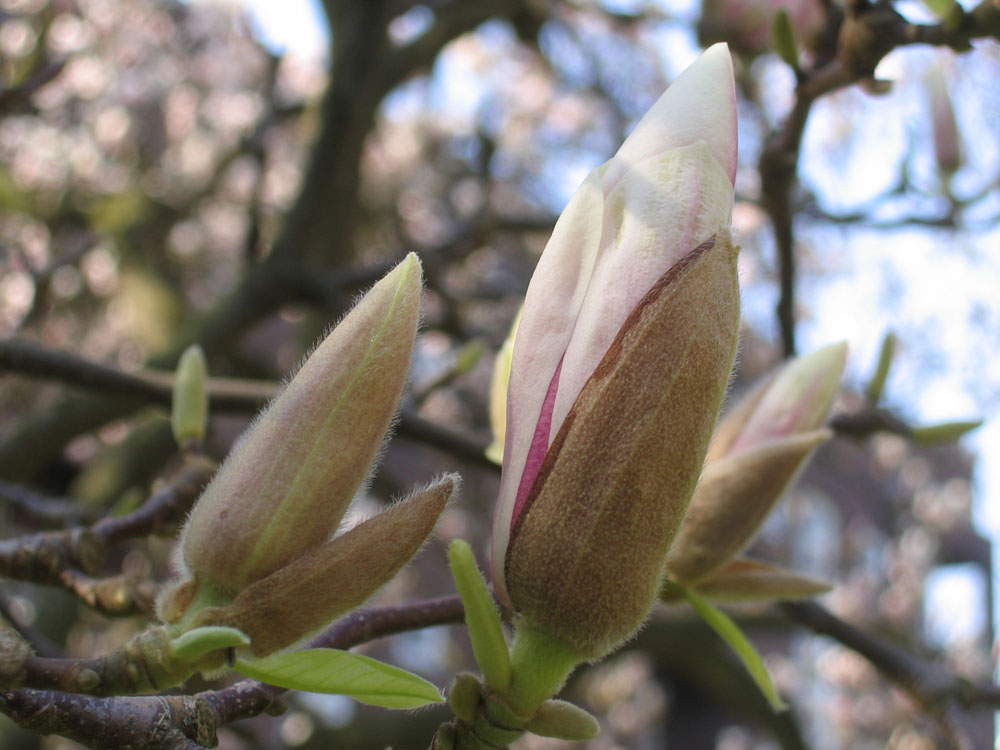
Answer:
x=335 y=577
x=285 y=485
x=353 y=520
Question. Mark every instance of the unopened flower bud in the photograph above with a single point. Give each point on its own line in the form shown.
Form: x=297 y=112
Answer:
x=758 y=451
x=621 y=358
x=258 y=550
x=287 y=484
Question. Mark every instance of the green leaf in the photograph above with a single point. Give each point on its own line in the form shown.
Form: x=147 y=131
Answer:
x=327 y=670
x=481 y=616
x=784 y=39
x=468 y=356
x=946 y=432
x=194 y=644
x=949 y=11
x=730 y=632
x=877 y=384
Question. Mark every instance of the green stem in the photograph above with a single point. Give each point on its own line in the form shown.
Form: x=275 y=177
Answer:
x=540 y=664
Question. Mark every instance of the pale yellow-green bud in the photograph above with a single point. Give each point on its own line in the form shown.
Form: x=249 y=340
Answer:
x=288 y=482
x=189 y=407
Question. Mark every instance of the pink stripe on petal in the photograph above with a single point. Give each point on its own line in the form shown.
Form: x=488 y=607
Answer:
x=539 y=448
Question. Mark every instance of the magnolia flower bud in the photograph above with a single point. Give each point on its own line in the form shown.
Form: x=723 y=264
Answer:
x=759 y=449
x=286 y=486
x=621 y=359
x=256 y=551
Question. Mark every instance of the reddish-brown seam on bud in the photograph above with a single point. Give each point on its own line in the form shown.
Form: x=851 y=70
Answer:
x=732 y=500
x=331 y=579
x=586 y=554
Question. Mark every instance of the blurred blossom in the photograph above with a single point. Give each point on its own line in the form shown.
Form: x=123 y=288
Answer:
x=17 y=38
x=69 y=33
x=17 y=291
x=87 y=77
x=100 y=270
x=747 y=24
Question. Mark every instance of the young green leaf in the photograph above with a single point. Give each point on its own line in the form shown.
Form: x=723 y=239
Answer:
x=730 y=632
x=946 y=432
x=784 y=39
x=327 y=670
x=481 y=616
x=194 y=644
x=887 y=351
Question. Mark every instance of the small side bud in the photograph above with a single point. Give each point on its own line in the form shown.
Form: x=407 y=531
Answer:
x=564 y=721
x=873 y=392
x=194 y=644
x=465 y=697
x=189 y=408
x=784 y=39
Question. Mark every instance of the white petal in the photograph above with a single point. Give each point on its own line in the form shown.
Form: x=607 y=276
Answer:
x=551 y=307
x=700 y=105
x=662 y=209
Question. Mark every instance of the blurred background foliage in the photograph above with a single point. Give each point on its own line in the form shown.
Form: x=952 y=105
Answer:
x=167 y=177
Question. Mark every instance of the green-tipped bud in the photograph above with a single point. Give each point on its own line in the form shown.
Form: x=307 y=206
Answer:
x=287 y=484
x=564 y=721
x=189 y=408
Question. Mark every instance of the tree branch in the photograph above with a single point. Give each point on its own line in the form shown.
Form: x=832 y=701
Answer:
x=934 y=688
x=164 y=721
x=867 y=33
